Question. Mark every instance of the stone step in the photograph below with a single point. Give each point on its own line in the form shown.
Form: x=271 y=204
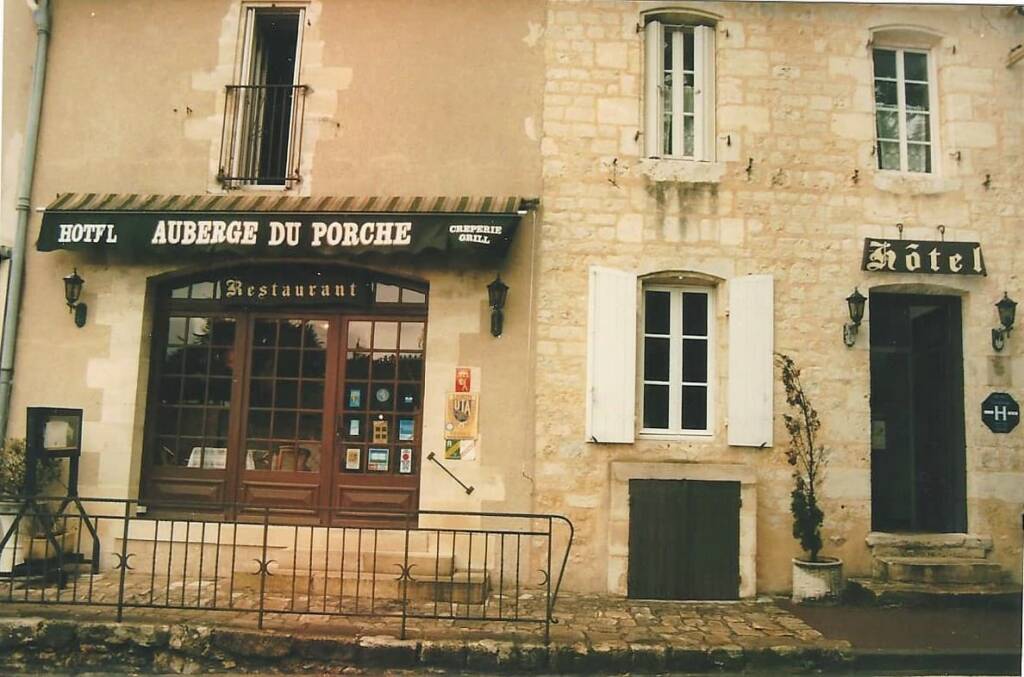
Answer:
x=383 y=562
x=886 y=593
x=957 y=570
x=929 y=545
x=461 y=587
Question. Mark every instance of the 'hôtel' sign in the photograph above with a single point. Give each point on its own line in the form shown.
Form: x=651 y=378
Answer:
x=922 y=256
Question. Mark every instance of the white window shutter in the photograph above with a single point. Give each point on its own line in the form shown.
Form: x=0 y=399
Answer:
x=751 y=360
x=653 y=55
x=704 y=92
x=611 y=356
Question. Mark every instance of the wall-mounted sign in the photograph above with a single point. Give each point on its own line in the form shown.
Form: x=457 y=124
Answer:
x=161 y=234
x=922 y=257
x=352 y=455
x=1000 y=412
x=460 y=416
x=299 y=286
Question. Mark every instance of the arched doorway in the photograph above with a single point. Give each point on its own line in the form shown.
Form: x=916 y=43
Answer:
x=294 y=387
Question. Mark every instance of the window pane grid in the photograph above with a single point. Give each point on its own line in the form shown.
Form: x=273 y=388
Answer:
x=285 y=415
x=681 y=403
x=383 y=386
x=902 y=122
x=677 y=92
x=195 y=391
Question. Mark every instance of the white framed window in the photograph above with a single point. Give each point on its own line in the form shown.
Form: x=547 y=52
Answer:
x=676 y=360
x=904 y=109
x=679 y=120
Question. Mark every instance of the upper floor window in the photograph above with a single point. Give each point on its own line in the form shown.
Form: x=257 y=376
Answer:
x=679 y=90
x=904 y=110
x=263 y=112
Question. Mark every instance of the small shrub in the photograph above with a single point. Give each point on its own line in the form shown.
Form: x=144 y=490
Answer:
x=13 y=468
x=807 y=457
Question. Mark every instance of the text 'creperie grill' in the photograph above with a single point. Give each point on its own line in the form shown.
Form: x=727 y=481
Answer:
x=478 y=233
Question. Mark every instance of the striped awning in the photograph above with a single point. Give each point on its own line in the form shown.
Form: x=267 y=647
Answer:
x=157 y=226
x=135 y=202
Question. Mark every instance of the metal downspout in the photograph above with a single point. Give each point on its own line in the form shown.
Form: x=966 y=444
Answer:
x=41 y=15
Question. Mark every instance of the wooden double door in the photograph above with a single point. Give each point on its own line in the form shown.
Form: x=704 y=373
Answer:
x=311 y=412
x=684 y=539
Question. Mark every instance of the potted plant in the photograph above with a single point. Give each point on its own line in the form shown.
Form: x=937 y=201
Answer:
x=12 y=489
x=814 y=577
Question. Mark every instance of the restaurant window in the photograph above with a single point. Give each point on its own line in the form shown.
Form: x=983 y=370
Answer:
x=679 y=96
x=904 y=109
x=676 y=360
x=299 y=390
x=263 y=110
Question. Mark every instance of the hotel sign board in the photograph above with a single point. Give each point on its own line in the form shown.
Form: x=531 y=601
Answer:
x=148 y=235
x=1000 y=412
x=926 y=257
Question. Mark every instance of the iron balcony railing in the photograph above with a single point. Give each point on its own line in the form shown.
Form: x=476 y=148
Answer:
x=261 y=139
x=429 y=564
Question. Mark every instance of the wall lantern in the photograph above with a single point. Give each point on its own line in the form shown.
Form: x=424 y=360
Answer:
x=496 y=293
x=856 y=303
x=1007 y=308
x=72 y=292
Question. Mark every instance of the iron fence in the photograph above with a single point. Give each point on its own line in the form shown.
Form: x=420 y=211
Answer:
x=428 y=564
x=261 y=138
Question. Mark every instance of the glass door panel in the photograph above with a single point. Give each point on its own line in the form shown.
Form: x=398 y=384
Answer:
x=284 y=419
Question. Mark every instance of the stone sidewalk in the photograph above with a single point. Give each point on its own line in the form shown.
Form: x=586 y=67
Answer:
x=594 y=633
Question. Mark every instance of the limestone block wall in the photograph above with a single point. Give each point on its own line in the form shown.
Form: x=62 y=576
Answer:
x=793 y=193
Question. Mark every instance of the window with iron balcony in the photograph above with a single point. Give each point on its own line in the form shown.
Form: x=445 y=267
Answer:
x=261 y=138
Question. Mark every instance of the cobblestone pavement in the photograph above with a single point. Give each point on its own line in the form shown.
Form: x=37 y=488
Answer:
x=584 y=620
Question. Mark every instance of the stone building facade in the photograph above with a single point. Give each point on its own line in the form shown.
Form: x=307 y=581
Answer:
x=789 y=188
x=708 y=176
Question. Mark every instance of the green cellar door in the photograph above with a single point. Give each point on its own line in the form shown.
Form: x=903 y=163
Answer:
x=684 y=539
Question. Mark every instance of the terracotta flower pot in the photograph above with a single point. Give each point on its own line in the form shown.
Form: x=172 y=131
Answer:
x=817 y=581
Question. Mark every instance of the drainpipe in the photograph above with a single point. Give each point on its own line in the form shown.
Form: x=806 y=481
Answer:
x=41 y=15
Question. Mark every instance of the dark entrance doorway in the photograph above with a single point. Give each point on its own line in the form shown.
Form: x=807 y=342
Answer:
x=917 y=415
x=684 y=539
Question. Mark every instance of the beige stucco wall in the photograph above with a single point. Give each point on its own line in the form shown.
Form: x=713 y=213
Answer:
x=134 y=104
x=795 y=101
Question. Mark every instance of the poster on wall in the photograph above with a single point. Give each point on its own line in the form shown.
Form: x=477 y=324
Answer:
x=460 y=416
x=352 y=458
x=460 y=450
x=463 y=380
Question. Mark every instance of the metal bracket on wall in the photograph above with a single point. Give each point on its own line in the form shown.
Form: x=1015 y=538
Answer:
x=431 y=457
